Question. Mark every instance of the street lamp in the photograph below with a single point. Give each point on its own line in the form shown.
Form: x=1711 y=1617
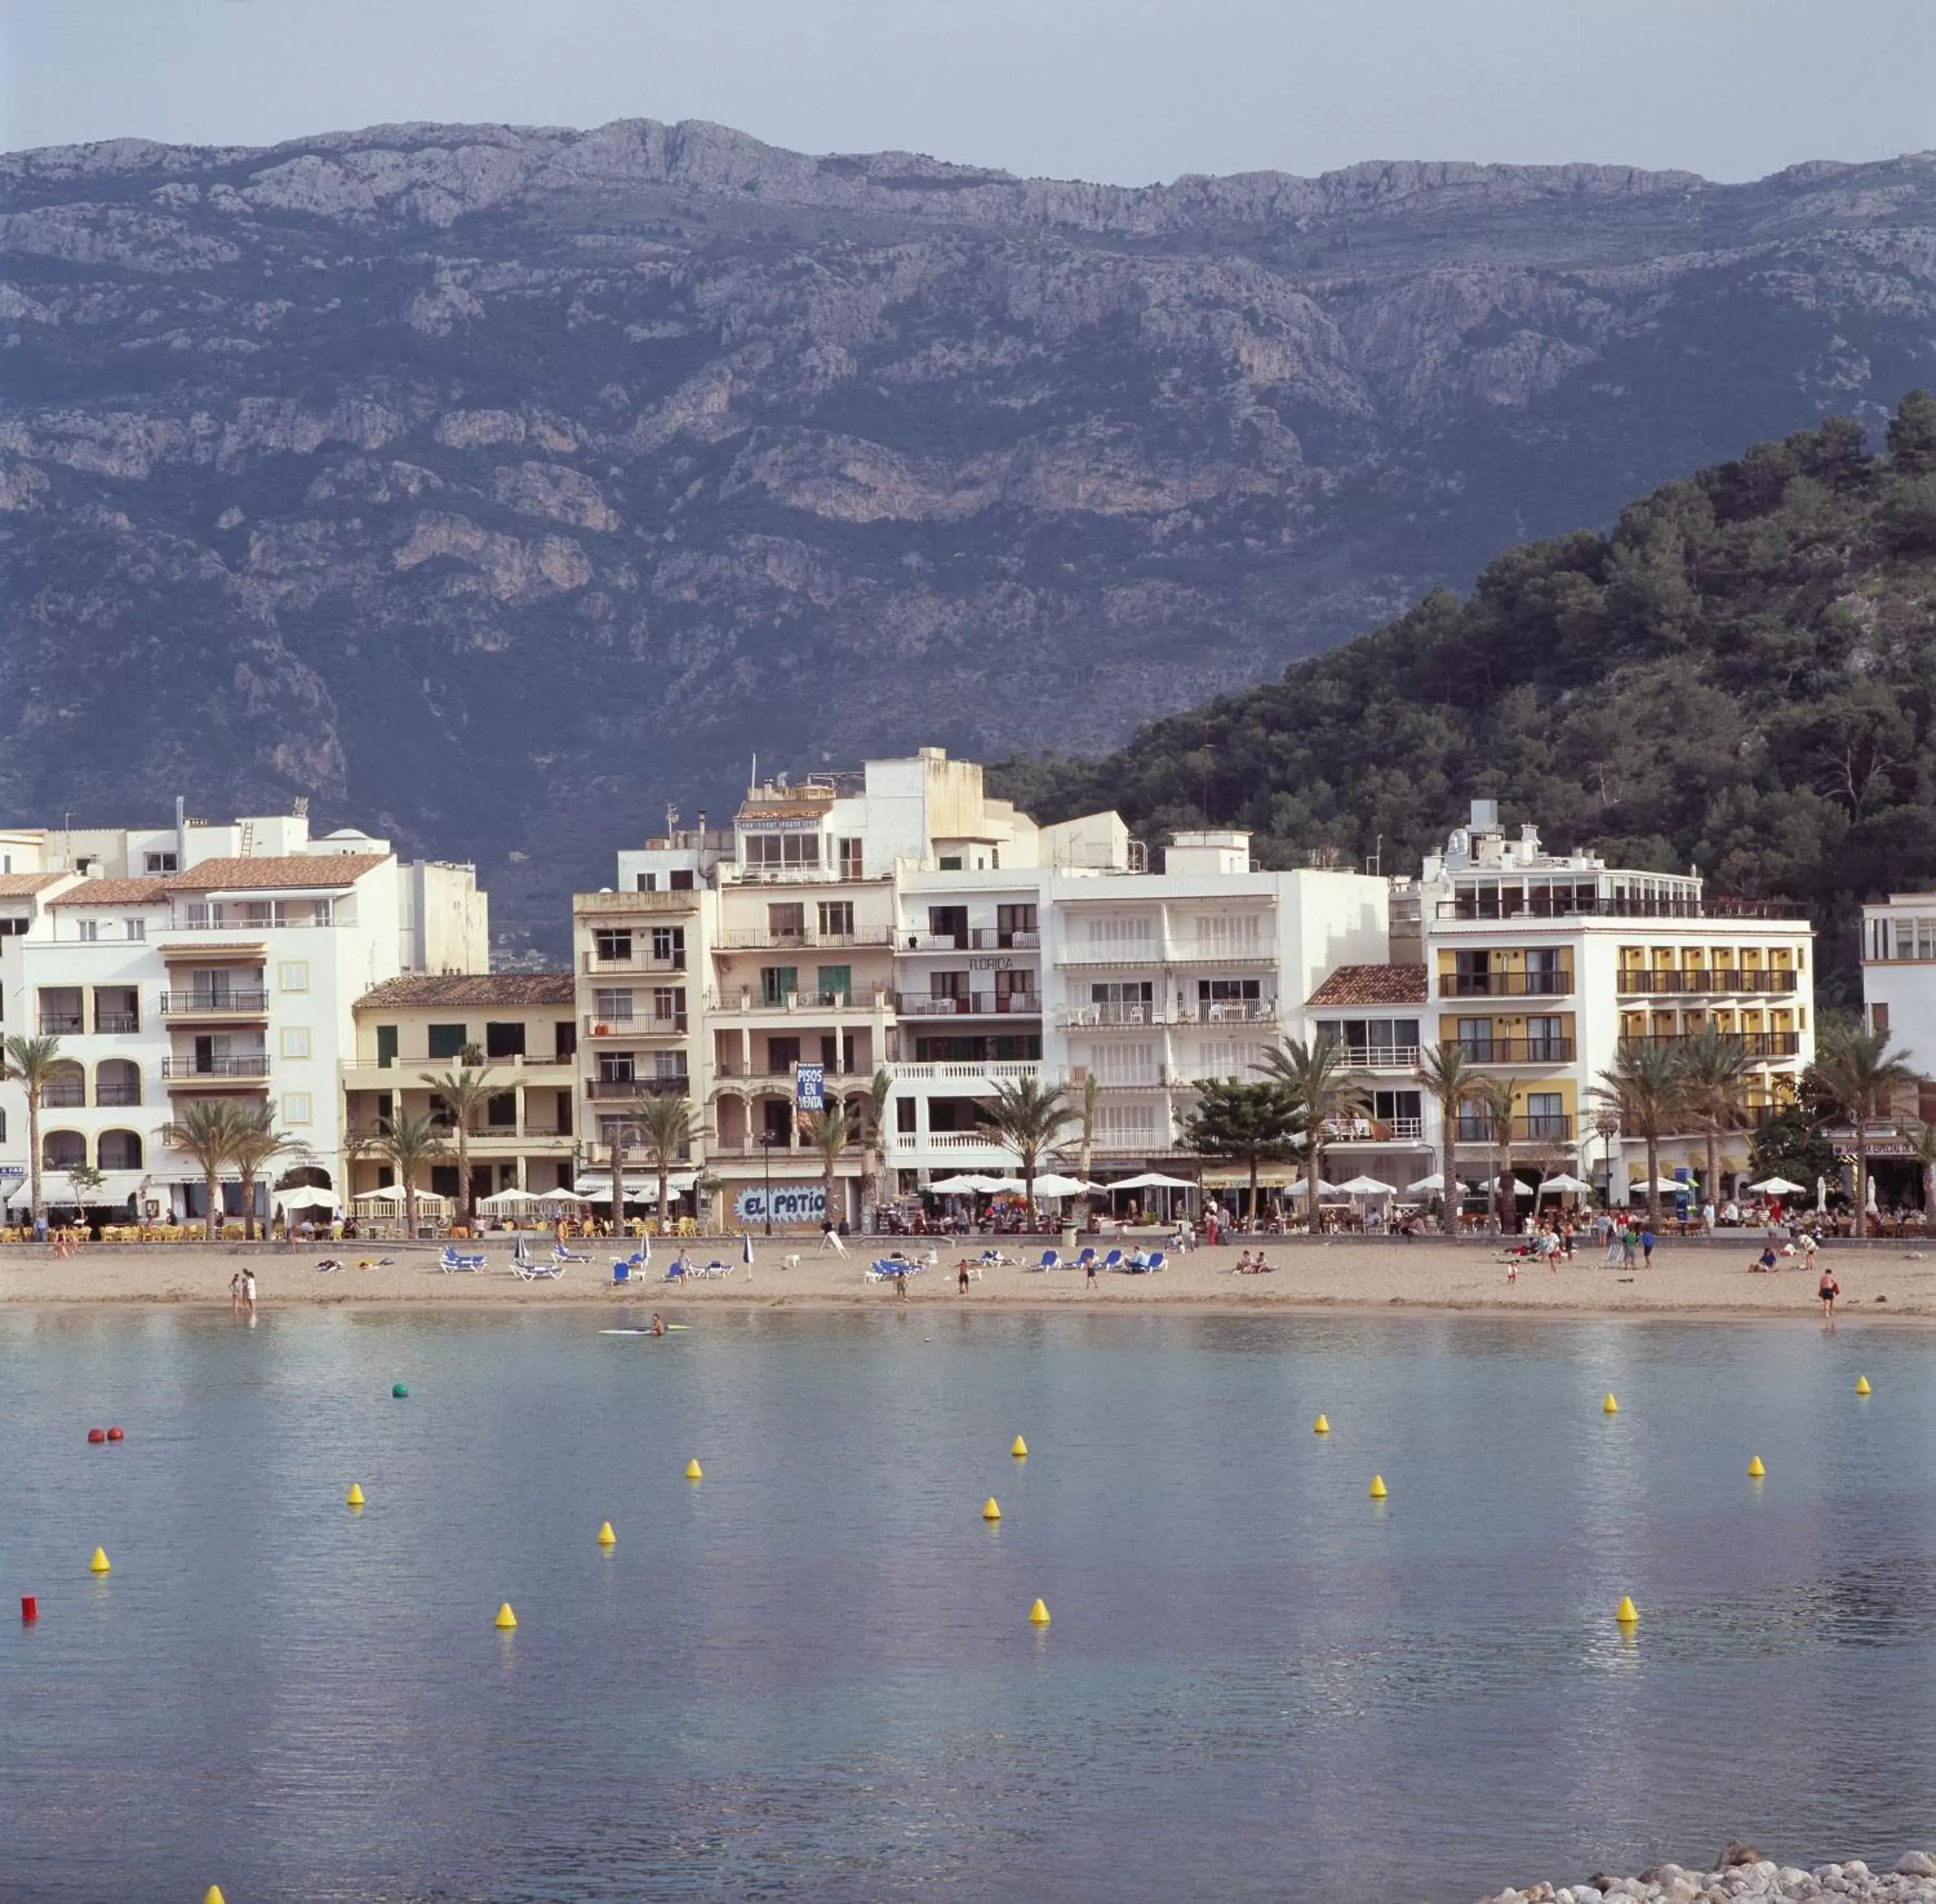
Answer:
x=767 y=1140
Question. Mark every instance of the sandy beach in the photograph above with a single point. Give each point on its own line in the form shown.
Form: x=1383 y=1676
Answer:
x=1882 y=1279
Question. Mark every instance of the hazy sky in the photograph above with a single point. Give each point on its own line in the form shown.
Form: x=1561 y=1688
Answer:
x=1126 y=91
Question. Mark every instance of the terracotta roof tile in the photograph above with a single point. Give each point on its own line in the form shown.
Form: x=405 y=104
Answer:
x=1372 y=984
x=324 y=871
x=114 y=892
x=19 y=885
x=511 y=990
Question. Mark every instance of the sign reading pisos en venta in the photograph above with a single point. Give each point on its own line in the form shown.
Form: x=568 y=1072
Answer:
x=801 y=1203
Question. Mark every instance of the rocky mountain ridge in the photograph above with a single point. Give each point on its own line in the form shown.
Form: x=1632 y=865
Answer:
x=494 y=486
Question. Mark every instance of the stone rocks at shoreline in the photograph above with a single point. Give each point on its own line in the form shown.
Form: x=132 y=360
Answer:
x=1743 y=1873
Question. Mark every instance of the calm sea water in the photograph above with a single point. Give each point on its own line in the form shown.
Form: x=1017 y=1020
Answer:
x=811 y=1675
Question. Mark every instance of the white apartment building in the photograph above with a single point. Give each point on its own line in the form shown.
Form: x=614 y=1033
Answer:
x=1538 y=965
x=200 y=961
x=1899 y=974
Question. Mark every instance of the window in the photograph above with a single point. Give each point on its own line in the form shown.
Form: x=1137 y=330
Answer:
x=90 y=930
x=904 y=1113
x=1133 y=935
x=387 y=1046
x=446 y=1041
x=1545 y=1114
x=836 y=918
x=292 y=975
x=297 y=1107
x=786 y=921
x=501 y=1111
x=615 y=1067
x=668 y=946
x=610 y=943
x=202 y=914
x=564 y=1039
x=611 y=1005
x=669 y=1067
x=504 y=1040
x=782 y=1054
x=646 y=882
x=322 y=911
x=669 y=1006
x=849 y=852
x=161 y=863
x=777 y=981
x=951 y=862
x=772 y=851
x=835 y=981
x=949 y=922
x=1015 y=918
x=680 y=881
x=296 y=1041
x=134 y=929
x=1879 y=1017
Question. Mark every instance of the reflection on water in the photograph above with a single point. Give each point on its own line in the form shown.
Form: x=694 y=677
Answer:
x=811 y=1675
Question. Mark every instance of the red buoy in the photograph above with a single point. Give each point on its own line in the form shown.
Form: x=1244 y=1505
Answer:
x=115 y=1434
x=30 y=1608
x=97 y=1434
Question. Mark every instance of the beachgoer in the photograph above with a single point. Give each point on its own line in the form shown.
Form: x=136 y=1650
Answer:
x=249 y=1291
x=1646 y=1246
x=961 y=1278
x=235 y=1293
x=1764 y=1264
x=1629 y=1242
x=900 y=1285
x=1809 y=1246
x=1828 y=1289
x=658 y=1323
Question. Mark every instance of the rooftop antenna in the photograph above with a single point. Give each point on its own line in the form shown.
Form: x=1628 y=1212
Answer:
x=753 y=774
x=672 y=819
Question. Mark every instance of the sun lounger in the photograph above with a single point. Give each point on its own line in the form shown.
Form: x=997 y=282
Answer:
x=1157 y=1261
x=675 y=1270
x=561 y=1255
x=622 y=1267
x=707 y=1272
x=1084 y=1257
x=453 y=1260
x=538 y=1271
x=1113 y=1261
x=1050 y=1261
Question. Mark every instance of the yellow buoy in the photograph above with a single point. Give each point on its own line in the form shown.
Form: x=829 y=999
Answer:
x=1756 y=1470
x=1038 y=1614
x=214 y=1896
x=606 y=1537
x=1610 y=1406
x=1626 y=1613
x=990 y=1509
x=356 y=1496
x=506 y=1619
x=1321 y=1426
x=1862 y=1385
x=1378 y=1489
x=1019 y=1449
x=99 y=1562
x=693 y=1471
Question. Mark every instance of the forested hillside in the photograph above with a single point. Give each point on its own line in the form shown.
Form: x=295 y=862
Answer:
x=1739 y=676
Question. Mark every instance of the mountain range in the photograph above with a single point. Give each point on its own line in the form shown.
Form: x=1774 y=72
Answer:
x=495 y=487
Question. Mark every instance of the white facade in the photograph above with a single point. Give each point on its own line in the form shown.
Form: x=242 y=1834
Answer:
x=1899 y=974
x=203 y=961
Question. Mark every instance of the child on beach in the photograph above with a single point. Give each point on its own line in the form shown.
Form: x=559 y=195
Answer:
x=1827 y=1290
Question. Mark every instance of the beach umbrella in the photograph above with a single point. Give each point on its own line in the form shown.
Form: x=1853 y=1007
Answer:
x=1052 y=1183
x=746 y=1248
x=1300 y=1188
x=1778 y=1187
x=1668 y=1184
x=1872 y=1195
x=1564 y=1181
x=1151 y=1180
x=507 y=1203
x=1435 y=1181
x=1519 y=1188
x=959 y=1186
x=1821 y=1193
x=1367 y=1186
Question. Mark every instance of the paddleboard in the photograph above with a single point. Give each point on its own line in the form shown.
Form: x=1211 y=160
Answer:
x=672 y=1328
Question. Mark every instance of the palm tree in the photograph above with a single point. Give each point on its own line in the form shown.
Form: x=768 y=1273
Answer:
x=1446 y=1073
x=256 y=1141
x=1714 y=1076
x=409 y=1145
x=830 y=1133
x=665 y=1129
x=874 y=1142
x=1923 y=1141
x=208 y=1129
x=1029 y=1117
x=1326 y=1090
x=465 y=1092
x=1494 y=1098
x=30 y=1062
x=1645 y=1088
x=1857 y=1072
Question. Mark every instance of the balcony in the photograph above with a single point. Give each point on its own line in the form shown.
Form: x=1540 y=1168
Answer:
x=610 y=1030
x=975 y=1004
x=116 y=1024
x=994 y=1070
x=191 y=1070
x=1505 y=984
x=117 y=1095
x=1615 y=906
x=638 y=962
x=623 y=1091
x=999 y=938
x=984 y=1141
x=1516 y=1050
x=1754 y=1044
x=68 y=1095
x=1379 y=1057
x=1102 y=1017
x=62 y=1024
x=1708 y=979
x=215 y=1004
x=1547 y=1128
x=1374 y=1131
x=862 y=998
x=760 y=938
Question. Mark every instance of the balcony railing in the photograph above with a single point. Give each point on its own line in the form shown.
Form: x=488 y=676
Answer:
x=969 y=1004
x=636 y=961
x=231 y=1064
x=117 y=1094
x=1002 y=938
x=214 y=1004
x=1379 y=1057
x=64 y=1096
x=1613 y=905
x=1374 y=1130
x=1754 y=1044
x=616 y=1091
x=861 y=998
x=1505 y=984
x=1229 y=1011
x=1707 y=979
x=645 y=1026
x=1517 y=1051
x=62 y=1024
x=1546 y=1129
x=993 y=1069
x=751 y=938
x=116 y=1024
